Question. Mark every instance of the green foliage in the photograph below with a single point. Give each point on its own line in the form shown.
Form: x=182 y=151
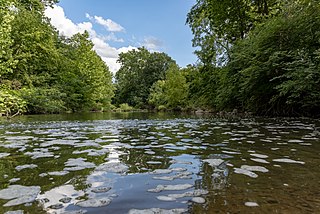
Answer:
x=34 y=49
x=276 y=69
x=51 y=73
x=258 y=56
x=217 y=24
x=43 y=100
x=140 y=69
x=176 y=88
x=86 y=80
x=10 y=103
x=7 y=62
x=125 y=107
x=172 y=92
x=157 y=96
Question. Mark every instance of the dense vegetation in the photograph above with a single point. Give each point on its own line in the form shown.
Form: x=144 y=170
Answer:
x=260 y=56
x=42 y=72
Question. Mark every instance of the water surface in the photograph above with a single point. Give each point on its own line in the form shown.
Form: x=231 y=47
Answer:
x=130 y=163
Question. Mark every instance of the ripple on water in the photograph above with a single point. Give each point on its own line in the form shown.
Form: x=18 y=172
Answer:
x=93 y=202
x=251 y=204
x=114 y=167
x=27 y=166
x=14 y=212
x=259 y=160
x=287 y=160
x=18 y=194
x=214 y=162
x=198 y=200
x=254 y=168
x=160 y=188
x=259 y=155
x=2 y=155
x=157 y=210
x=78 y=164
x=245 y=172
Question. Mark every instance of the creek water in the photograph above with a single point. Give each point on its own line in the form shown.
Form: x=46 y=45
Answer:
x=159 y=163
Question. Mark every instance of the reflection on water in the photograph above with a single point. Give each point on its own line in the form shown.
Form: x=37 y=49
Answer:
x=151 y=163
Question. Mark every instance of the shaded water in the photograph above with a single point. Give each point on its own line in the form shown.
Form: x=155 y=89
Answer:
x=126 y=163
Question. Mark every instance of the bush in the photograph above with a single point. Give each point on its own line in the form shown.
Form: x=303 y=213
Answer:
x=125 y=107
x=43 y=100
x=11 y=104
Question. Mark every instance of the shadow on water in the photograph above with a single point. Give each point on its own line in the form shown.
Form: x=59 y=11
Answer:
x=139 y=162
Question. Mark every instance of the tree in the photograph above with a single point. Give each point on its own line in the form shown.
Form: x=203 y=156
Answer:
x=217 y=25
x=276 y=68
x=172 y=92
x=36 y=5
x=86 y=79
x=176 y=88
x=7 y=62
x=140 y=69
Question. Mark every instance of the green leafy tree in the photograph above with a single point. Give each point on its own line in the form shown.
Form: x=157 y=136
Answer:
x=34 y=49
x=172 y=92
x=11 y=104
x=276 y=69
x=7 y=62
x=157 y=96
x=86 y=79
x=140 y=69
x=176 y=88
x=217 y=24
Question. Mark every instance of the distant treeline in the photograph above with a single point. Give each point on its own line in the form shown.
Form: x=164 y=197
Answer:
x=260 y=56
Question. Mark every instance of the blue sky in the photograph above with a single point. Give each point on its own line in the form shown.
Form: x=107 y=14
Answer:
x=120 y=25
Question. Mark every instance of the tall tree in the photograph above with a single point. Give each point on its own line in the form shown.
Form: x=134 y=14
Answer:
x=86 y=79
x=140 y=69
x=7 y=62
x=217 y=24
x=276 y=68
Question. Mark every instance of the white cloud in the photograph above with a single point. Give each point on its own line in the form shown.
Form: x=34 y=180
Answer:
x=67 y=28
x=112 y=37
x=126 y=49
x=152 y=43
x=107 y=23
x=104 y=49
